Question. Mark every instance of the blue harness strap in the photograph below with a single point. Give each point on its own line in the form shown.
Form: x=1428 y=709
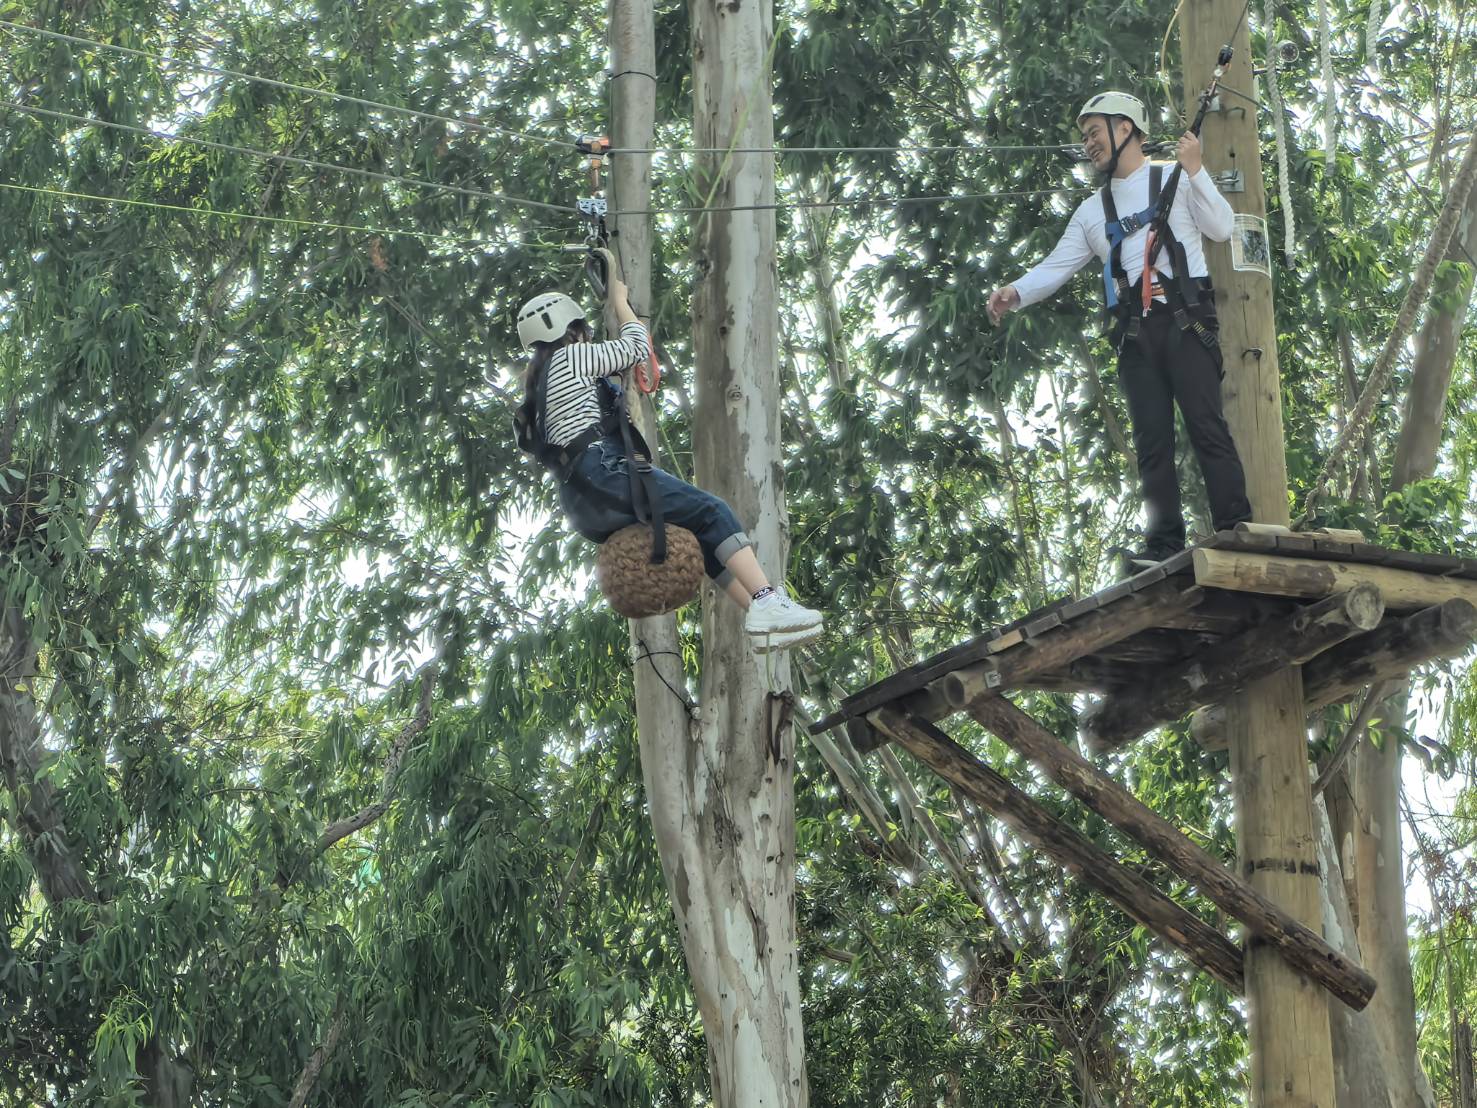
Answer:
x=1119 y=229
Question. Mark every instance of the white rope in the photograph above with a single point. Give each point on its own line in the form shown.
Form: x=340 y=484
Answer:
x=1279 y=128
x=1372 y=28
x=1325 y=61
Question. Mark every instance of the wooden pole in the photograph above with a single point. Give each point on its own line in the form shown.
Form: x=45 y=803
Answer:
x=1288 y=1029
x=1270 y=574
x=1200 y=942
x=1268 y=924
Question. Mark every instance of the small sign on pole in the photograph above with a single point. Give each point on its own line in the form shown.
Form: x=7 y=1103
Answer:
x=1249 y=249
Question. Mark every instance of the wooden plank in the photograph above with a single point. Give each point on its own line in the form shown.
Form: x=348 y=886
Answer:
x=1045 y=623
x=1092 y=673
x=916 y=676
x=1158 y=646
x=1086 y=635
x=1205 y=946
x=1268 y=530
x=1301 y=947
x=1005 y=641
x=1230 y=613
x=1273 y=575
x=1395 y=647
x=1229 y=666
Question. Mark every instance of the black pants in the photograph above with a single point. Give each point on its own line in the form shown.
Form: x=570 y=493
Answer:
x=1162 y=366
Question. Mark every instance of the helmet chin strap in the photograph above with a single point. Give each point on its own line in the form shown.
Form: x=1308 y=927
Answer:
x=1114 y=148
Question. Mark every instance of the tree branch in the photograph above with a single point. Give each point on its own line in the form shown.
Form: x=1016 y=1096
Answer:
x=1356 y=730
x=318 y=1060
x=1420 y=287
x=343 y=828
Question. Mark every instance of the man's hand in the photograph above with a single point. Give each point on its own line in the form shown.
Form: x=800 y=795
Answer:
x=1002 y=301
x=1189 y=153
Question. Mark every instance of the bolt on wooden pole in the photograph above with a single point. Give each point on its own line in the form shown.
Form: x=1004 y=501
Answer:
x=1288 y=1032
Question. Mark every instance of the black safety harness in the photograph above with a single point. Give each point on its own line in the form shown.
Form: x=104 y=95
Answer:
x=531 y=428
x=1192 y=312
x=1182 y=292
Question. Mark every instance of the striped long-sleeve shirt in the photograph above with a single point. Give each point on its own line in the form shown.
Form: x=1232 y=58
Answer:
x=571 y=380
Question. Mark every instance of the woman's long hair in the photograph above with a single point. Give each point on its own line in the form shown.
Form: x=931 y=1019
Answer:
x=530 y=419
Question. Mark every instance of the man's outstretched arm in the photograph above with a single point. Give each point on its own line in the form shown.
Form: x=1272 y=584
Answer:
x=1071 y=253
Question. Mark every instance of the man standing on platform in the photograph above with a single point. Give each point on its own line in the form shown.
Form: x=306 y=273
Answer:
x=1164 y=322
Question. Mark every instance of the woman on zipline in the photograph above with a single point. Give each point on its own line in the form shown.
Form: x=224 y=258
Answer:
x=570 y=422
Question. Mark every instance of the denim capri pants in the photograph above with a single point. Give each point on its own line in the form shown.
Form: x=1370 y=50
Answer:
x=596 y=498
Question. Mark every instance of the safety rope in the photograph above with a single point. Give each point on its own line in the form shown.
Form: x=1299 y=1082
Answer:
x=1325 y=62
x=647 y=655
x=1279 y=130
x=1372 y=28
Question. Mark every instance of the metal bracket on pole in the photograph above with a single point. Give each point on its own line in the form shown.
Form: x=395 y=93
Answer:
x=1229 y=180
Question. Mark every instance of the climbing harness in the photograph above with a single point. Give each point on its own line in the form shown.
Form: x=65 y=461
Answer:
x=530 y=426
x=1181 y=291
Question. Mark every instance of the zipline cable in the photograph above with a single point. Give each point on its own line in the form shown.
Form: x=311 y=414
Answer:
x=294 y=159
x=429 y=236
x=885 y=201
x=904 y=148
x=286 y=86
x=563 y=144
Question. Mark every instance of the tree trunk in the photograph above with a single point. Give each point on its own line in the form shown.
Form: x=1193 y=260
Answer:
x=1373 y=823
x=1360 y=1069
x=723 y=801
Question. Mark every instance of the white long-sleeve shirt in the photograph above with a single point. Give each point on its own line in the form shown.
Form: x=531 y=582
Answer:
x=572 y=398
x=1199 y=210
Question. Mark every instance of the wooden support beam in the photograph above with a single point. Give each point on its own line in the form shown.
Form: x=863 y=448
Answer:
x=1056 y=648
x=1440 y=631
x=1403 y=589
x=1227 y=667
x=1208 y=727
x=1186 y=932
x=1341 y=534
x=1089 y=674
x=1392 y=650
x=1302 y=948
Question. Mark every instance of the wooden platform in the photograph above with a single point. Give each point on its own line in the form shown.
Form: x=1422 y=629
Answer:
x=1200 y=625
x=1187 y=633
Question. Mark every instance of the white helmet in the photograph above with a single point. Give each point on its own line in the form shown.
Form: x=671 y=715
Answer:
x=1116 y=103
x=546 y=318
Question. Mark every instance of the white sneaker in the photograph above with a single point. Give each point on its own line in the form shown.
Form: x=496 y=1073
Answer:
x=777 y=612
x=787 y=640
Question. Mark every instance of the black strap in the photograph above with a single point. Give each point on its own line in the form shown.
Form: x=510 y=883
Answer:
x=1117 y=231
x=531 y=425
x=646 y=498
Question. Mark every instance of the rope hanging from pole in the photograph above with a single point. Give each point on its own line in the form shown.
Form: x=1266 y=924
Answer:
x=1279 y=129
x=1325 y=62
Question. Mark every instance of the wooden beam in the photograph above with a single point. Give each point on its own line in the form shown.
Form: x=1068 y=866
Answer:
x=1208 y=727
x=1392 y=650
x=1186 y=932
x=1302 y=948
x=1440 y=631
x=1214 y=674
x=1054 y=649
x=1403 y=589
